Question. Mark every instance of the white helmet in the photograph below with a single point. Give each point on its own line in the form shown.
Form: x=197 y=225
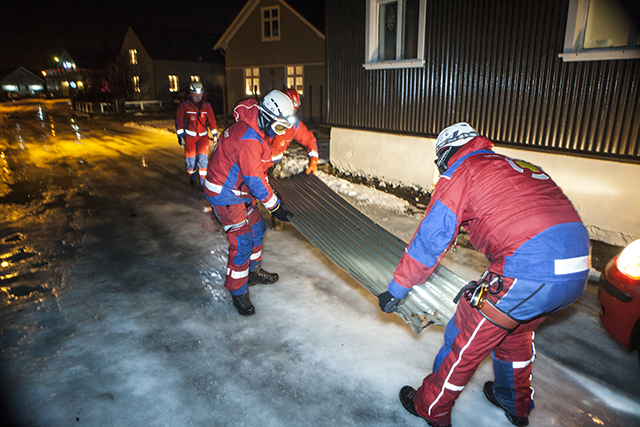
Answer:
x=196 y=87
x=277 y=112
x=450 y=140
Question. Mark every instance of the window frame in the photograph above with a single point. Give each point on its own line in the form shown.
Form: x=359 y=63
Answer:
x=194 y=78
x=252 y=77
x=136 y=83
x=271 y=38
x=174 y=83
x=295 y=75
x=574 y=39
x=133 y=56
x=372 y=42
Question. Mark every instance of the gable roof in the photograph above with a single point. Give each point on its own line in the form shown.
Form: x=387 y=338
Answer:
x=21 y=76
x=239 y=21
x=177 y=45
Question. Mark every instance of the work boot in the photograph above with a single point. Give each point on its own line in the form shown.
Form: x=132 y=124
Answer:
x=491 y=397
x=192 y=179
x=261 y=277
x=243 y=304
x=407 y=393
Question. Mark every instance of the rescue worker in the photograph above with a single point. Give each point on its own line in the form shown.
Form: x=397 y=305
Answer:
x=236 y=178
x=280 y=143
x=538 y=251
x=193 y=118
x=301 y=133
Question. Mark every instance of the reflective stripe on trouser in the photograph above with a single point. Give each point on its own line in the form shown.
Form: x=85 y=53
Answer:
x=196 y=151
x=245 y=231
x=469 y=338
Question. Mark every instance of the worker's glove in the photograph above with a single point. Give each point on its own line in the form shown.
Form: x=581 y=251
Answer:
x=313 y=165
x=388 y=303
x=281 y=213
x=214 y=136
x=181 y=141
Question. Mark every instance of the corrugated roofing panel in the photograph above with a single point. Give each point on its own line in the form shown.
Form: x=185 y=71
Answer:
x=364 y=250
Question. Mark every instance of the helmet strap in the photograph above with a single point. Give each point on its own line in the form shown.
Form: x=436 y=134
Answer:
x=442 y=162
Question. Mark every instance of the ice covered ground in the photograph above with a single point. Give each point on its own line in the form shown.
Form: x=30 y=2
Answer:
x=133 y=327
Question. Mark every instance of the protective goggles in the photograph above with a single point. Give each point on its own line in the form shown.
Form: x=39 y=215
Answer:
x=281 y=126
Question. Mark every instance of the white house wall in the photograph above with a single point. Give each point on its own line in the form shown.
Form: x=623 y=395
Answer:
x=605 y=193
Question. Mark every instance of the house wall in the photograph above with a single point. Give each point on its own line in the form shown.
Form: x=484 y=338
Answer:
x=605 y=192
x=148 y=85
x=298 y=44
x=494 y=64
x=211 y=76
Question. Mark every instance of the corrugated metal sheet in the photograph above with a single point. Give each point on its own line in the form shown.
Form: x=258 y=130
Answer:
x=495 y=64
x=364 y=250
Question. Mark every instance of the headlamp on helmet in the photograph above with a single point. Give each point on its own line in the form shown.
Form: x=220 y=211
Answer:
x=449 y=142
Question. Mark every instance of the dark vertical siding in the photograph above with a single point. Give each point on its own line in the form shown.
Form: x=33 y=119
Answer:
x=495 y=64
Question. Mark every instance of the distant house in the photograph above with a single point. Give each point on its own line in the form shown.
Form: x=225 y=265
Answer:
x=541 y=80
x=23 y=82
x=78 y=72
x=270 y=45
x=168 y=61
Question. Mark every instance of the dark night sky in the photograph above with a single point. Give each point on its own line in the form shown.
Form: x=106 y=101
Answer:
x=32 y=32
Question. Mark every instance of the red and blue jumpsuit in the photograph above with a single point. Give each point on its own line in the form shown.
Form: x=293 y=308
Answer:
x=534 y=240
x=192 y=121
x=236 y=177
x=302 y=135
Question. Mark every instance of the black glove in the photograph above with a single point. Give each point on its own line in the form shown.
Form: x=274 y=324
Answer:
x=181 y=141
x=281 y=213
x=388 y=303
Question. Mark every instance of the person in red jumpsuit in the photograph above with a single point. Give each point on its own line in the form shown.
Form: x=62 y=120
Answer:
x=300 y=133
x=280 y=143
x=237 y=178
x=193 y=120
x=539 y=255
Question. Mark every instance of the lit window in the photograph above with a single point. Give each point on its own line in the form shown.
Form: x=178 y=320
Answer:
x=252 y=81
x=195 y=78
x=295 y=79
x=270 y=23
x=136 y=83
x=395 y=34
x=133 y=56
x=174 y=84
x=599 y=30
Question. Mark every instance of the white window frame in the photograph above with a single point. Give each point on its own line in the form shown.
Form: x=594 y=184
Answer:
x=372 y=42
x=294 y=76
x=574 y=37
x=252 y=74
x=271 y=38
x=174 y=83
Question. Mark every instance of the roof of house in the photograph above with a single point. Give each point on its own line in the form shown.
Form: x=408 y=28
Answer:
x=23 y=76
x=249 y=7
x=178 y=45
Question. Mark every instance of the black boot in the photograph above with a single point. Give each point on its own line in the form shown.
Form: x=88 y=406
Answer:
x=491 y=397
x=407 y=393
x=261 y=277
x=243 y=304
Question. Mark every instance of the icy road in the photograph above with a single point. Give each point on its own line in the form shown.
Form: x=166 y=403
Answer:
x=113 y=311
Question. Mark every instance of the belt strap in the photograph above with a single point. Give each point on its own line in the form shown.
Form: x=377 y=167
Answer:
x=497 y=316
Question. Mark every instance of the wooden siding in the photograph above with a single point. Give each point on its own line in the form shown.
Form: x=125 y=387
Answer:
x=494 y=64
